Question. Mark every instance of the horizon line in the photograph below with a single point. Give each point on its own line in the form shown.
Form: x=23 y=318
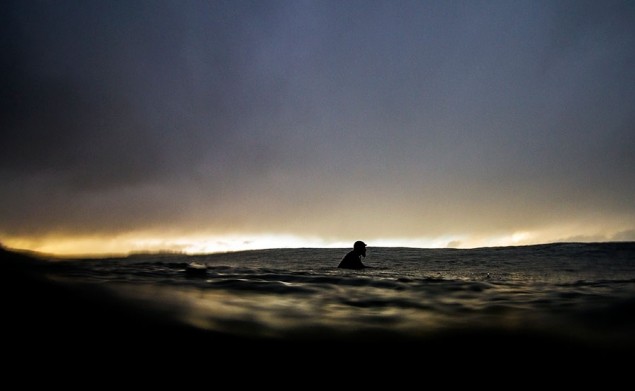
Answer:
x=169 y=252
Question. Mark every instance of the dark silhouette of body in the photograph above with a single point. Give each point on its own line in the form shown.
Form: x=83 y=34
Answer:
x=353 y=260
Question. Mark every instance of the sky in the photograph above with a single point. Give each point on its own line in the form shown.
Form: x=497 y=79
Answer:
x=204 y=126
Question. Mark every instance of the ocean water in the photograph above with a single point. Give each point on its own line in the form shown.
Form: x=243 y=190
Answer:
x=581 y=292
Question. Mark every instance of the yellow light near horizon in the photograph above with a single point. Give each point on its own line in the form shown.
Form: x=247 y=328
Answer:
x=521 y=237
x=122 y=245
x=117 y=245
x=199 y=243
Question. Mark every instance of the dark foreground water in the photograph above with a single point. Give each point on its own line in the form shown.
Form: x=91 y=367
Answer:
x=580 y=295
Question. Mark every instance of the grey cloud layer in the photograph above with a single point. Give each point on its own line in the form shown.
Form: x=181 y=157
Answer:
x=384 y=118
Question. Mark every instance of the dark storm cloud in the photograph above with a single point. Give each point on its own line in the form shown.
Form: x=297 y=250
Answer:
x=384 y=119
x=107 y=85
x=103 y=96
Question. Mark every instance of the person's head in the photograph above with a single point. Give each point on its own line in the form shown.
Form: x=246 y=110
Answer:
x=360 y=248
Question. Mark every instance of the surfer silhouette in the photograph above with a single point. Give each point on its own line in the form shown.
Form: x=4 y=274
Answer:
x=353 y=260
